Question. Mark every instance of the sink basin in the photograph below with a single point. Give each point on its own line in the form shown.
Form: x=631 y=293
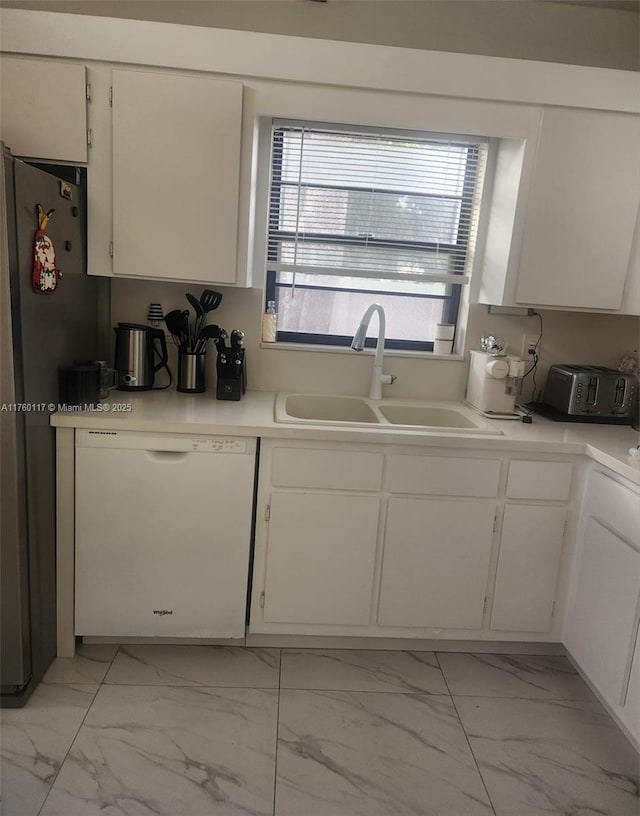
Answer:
x=329 y=409
x=426 y=415
x=321 y=408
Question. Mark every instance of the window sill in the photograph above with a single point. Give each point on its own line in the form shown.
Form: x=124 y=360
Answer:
x=416 y=355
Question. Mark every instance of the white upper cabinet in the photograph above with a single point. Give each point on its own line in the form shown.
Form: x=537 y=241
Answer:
x=44 y=109
x=176 y=166
x=631 y=296
x=565 y=238
x=581 y=211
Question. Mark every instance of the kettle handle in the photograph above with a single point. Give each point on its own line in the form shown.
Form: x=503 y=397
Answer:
x=161 y=352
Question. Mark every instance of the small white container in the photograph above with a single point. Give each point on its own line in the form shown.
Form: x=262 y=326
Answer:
x=442 y=346
x=445 y=331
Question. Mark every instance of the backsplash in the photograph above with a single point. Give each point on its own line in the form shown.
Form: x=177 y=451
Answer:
x=569 y=337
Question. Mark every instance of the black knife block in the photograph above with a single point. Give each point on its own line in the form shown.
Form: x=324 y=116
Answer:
x=232 y=375
x=228 y=389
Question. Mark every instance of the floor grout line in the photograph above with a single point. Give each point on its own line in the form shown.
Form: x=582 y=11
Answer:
x=275 y=755
x=466 y=736
x=75 y=736
x=71 y=744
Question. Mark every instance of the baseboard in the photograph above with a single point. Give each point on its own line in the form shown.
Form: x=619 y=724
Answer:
x=607 y=706
x=175 y=641
x=404 y=644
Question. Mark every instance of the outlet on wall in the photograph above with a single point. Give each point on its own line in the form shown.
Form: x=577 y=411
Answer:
x=529 y=346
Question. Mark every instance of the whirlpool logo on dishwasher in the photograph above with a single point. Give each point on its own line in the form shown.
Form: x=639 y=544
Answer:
x=163 y=612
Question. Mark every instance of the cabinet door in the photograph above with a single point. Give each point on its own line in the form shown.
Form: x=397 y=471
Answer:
x=581 y=210
x=176 y=160
x=631 y=296
x=530 y=550
x=320 y=558
x=435 y=563
x=44 y=109
x=631 y=711
x=602 y=620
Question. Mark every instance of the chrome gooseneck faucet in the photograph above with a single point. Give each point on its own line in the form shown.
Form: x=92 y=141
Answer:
x=378 y=378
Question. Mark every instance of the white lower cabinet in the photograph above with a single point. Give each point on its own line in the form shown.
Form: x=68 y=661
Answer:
x=528 y=563
x=390 y=541
x=603 y=620
x=436 y=563
x=632 y=700
x=601 y=631
x=321 y=552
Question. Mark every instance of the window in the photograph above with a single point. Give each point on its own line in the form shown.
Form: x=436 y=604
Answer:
x=358 y=216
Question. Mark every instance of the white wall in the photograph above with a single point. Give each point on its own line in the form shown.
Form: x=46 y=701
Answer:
x=599 y=34
x=569 y=337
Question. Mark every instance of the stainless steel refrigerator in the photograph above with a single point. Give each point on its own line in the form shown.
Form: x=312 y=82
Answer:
x=38 y=333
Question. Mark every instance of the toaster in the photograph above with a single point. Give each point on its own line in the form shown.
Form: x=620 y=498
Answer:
x=591 y=392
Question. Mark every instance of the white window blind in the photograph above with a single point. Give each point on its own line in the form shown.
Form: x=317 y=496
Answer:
x=358 y=215
x=363 y=205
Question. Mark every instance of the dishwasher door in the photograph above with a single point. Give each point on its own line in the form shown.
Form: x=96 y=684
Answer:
x=163 y=529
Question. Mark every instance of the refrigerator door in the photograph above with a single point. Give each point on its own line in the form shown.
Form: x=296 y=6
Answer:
x=15 y=651
x=47 y=330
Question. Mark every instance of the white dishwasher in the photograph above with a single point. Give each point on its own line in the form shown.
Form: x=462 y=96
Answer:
x=163 y=532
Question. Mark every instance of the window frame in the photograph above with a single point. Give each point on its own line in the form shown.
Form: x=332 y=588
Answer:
x=453 y=297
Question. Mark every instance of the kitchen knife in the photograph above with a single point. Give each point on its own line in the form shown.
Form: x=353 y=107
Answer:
x=237 y=340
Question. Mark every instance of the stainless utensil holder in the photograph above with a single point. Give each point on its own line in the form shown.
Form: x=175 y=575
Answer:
x=191 y=377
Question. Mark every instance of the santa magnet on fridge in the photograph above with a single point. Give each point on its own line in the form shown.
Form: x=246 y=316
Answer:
x=46 y=274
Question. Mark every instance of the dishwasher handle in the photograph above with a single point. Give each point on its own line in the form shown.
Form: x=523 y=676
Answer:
x=167 y=455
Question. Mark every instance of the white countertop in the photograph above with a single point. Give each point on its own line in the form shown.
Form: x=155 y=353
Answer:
x=171 y=412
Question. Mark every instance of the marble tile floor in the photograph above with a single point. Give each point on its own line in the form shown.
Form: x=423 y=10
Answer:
x=230 y=731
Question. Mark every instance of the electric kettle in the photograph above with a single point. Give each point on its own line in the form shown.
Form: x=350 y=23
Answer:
x=141 y=351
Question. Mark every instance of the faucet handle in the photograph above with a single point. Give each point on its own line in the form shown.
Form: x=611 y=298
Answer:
x=388 y=379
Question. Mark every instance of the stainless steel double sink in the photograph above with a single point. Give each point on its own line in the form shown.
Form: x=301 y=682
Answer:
x=328 y=409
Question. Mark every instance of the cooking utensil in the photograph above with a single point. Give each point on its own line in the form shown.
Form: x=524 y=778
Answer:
x=177 y=321
x=210 y=332
x=199 y=317
x=210 y=300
